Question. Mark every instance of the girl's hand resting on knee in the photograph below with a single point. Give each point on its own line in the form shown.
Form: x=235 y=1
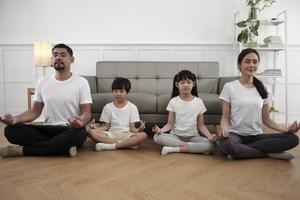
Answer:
x=156 y=129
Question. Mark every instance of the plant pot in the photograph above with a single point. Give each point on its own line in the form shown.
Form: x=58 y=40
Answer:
x=252 y=40
x=253 y=13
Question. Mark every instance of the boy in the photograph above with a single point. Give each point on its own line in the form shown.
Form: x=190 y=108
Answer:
x=119 y=119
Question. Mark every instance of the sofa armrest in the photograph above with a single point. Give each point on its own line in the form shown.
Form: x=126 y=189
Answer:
x=92 y=80
x=223 y=80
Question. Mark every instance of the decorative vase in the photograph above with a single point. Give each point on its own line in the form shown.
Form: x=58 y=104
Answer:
x=253 y=13
x=252 y=40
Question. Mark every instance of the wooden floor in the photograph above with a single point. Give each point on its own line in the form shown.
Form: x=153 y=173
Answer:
x=145 y=174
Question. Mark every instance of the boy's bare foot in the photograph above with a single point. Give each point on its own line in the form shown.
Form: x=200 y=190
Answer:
x=88 y=128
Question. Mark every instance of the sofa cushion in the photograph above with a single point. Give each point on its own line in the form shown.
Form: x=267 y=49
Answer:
x=207 y=86
x=162 y=103
x=223 y=80
x=146 y=103
x=100 y=100
x=155 y=77
x=212 y=103
x=92 y=80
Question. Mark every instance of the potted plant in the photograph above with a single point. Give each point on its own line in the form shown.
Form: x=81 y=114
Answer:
x=250 y=26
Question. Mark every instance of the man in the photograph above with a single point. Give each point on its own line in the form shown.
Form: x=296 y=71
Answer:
x=66 y=100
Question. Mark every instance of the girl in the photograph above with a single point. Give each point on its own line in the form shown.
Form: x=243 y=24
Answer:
x=185 y=118
x=245 y=105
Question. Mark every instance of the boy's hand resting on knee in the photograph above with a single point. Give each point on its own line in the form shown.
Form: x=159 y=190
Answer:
x=156 y=129
x=142 y=126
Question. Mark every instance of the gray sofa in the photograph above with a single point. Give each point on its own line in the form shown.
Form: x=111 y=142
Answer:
x=151 y=86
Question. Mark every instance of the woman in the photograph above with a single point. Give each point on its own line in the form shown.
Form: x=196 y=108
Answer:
x=245 y=106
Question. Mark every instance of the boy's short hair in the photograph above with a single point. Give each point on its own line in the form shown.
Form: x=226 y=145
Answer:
x=121 y=83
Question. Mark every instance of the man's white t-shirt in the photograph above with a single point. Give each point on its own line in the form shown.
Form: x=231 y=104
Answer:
x=245 y=108
x=119 y=118
x=62 y=98
x=186 y=113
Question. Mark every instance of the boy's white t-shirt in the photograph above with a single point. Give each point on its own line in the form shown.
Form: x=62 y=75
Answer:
x=245 y=108
x=186 y=113
x=119 y=118
x=62 y=99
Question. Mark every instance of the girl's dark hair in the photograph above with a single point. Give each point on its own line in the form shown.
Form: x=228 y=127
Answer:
x=121 y=83
x=257 y=83
x=184 y=75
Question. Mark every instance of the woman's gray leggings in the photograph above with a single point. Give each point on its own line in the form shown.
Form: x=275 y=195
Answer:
x=256 y=146
x=197 y=144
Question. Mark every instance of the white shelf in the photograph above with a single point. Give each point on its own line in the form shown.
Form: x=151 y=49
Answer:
x=270 y=22
x=279 y=52
x=269 y=76
x=272 y=73
x=266 y=22
x=268 y=48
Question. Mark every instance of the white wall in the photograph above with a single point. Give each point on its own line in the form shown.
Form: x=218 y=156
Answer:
x=130 y=21
x=127 y=30
x=117 y=21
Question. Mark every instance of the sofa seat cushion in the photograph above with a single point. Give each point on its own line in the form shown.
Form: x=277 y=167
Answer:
x=212 y=103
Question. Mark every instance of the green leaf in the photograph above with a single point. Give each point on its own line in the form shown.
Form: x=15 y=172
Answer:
x=242 y=24
x=240 y=37
x=257 y=24
x=246 y=36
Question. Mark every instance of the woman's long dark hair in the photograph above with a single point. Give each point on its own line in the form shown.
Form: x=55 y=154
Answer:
x=257 y=83
x=184 y=75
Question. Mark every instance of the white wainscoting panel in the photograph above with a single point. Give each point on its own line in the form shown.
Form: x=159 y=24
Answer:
x=85 y=61
x=154 y=54
x=225 y=58
x=294 y=65
x=119 y=54
x=293 y=101
x=188 y=54
x=2 y=94
x=294 y=98
x=16 y=97
x=18 y=65
x=2 y=98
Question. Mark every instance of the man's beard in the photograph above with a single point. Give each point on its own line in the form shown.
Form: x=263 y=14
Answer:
x=59 y=67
